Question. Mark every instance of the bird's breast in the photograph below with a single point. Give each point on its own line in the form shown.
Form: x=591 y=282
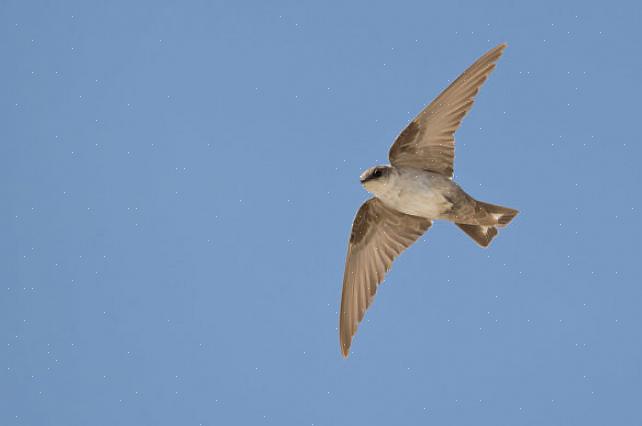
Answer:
x=415 y=195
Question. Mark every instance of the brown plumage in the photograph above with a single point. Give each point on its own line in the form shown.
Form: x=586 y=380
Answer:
x=411 y=192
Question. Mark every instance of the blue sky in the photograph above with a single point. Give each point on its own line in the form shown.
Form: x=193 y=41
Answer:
x=179 y=181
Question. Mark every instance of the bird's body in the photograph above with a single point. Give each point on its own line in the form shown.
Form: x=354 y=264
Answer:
x=420 y=193
x=415 y=189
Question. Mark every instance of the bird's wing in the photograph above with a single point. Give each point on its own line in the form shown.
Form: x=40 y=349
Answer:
x=428 y=142
x=379 y=234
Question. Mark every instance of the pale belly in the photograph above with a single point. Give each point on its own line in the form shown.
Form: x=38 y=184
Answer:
x=417 y=197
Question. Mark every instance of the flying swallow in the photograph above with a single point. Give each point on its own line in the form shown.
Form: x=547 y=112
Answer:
x=412 y=191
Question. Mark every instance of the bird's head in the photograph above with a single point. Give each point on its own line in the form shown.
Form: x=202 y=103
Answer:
x=376 y=178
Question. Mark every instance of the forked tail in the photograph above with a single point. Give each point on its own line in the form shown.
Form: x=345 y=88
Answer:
x=491 y=217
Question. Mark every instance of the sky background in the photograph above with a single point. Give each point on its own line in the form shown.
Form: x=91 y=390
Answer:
x=179 y=181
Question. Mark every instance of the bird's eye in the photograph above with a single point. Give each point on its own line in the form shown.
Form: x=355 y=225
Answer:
x=376 y=173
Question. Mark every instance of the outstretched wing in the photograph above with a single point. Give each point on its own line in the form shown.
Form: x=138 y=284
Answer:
x=379 y=234
x=428 y=142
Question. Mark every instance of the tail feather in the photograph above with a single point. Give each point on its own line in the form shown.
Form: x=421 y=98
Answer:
x=499 y=217
x=482 y=235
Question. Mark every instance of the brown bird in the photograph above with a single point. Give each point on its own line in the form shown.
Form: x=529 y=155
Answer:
x=415 y=189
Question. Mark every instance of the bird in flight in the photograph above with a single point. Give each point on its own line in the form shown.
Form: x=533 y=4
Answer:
x=415 y=189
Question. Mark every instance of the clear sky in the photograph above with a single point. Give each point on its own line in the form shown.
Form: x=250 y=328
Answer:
x=179 y=180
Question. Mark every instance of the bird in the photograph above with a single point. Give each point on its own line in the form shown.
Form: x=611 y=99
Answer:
x=411 y=192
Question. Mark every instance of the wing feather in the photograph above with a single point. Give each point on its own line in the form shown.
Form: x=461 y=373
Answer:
x=428 y=142
x=379 y=234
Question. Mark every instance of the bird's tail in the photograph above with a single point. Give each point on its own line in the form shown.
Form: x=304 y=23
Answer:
x=490 y=217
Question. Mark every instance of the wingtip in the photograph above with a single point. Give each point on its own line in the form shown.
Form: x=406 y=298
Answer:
x=495 y=53
x=345 y=350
